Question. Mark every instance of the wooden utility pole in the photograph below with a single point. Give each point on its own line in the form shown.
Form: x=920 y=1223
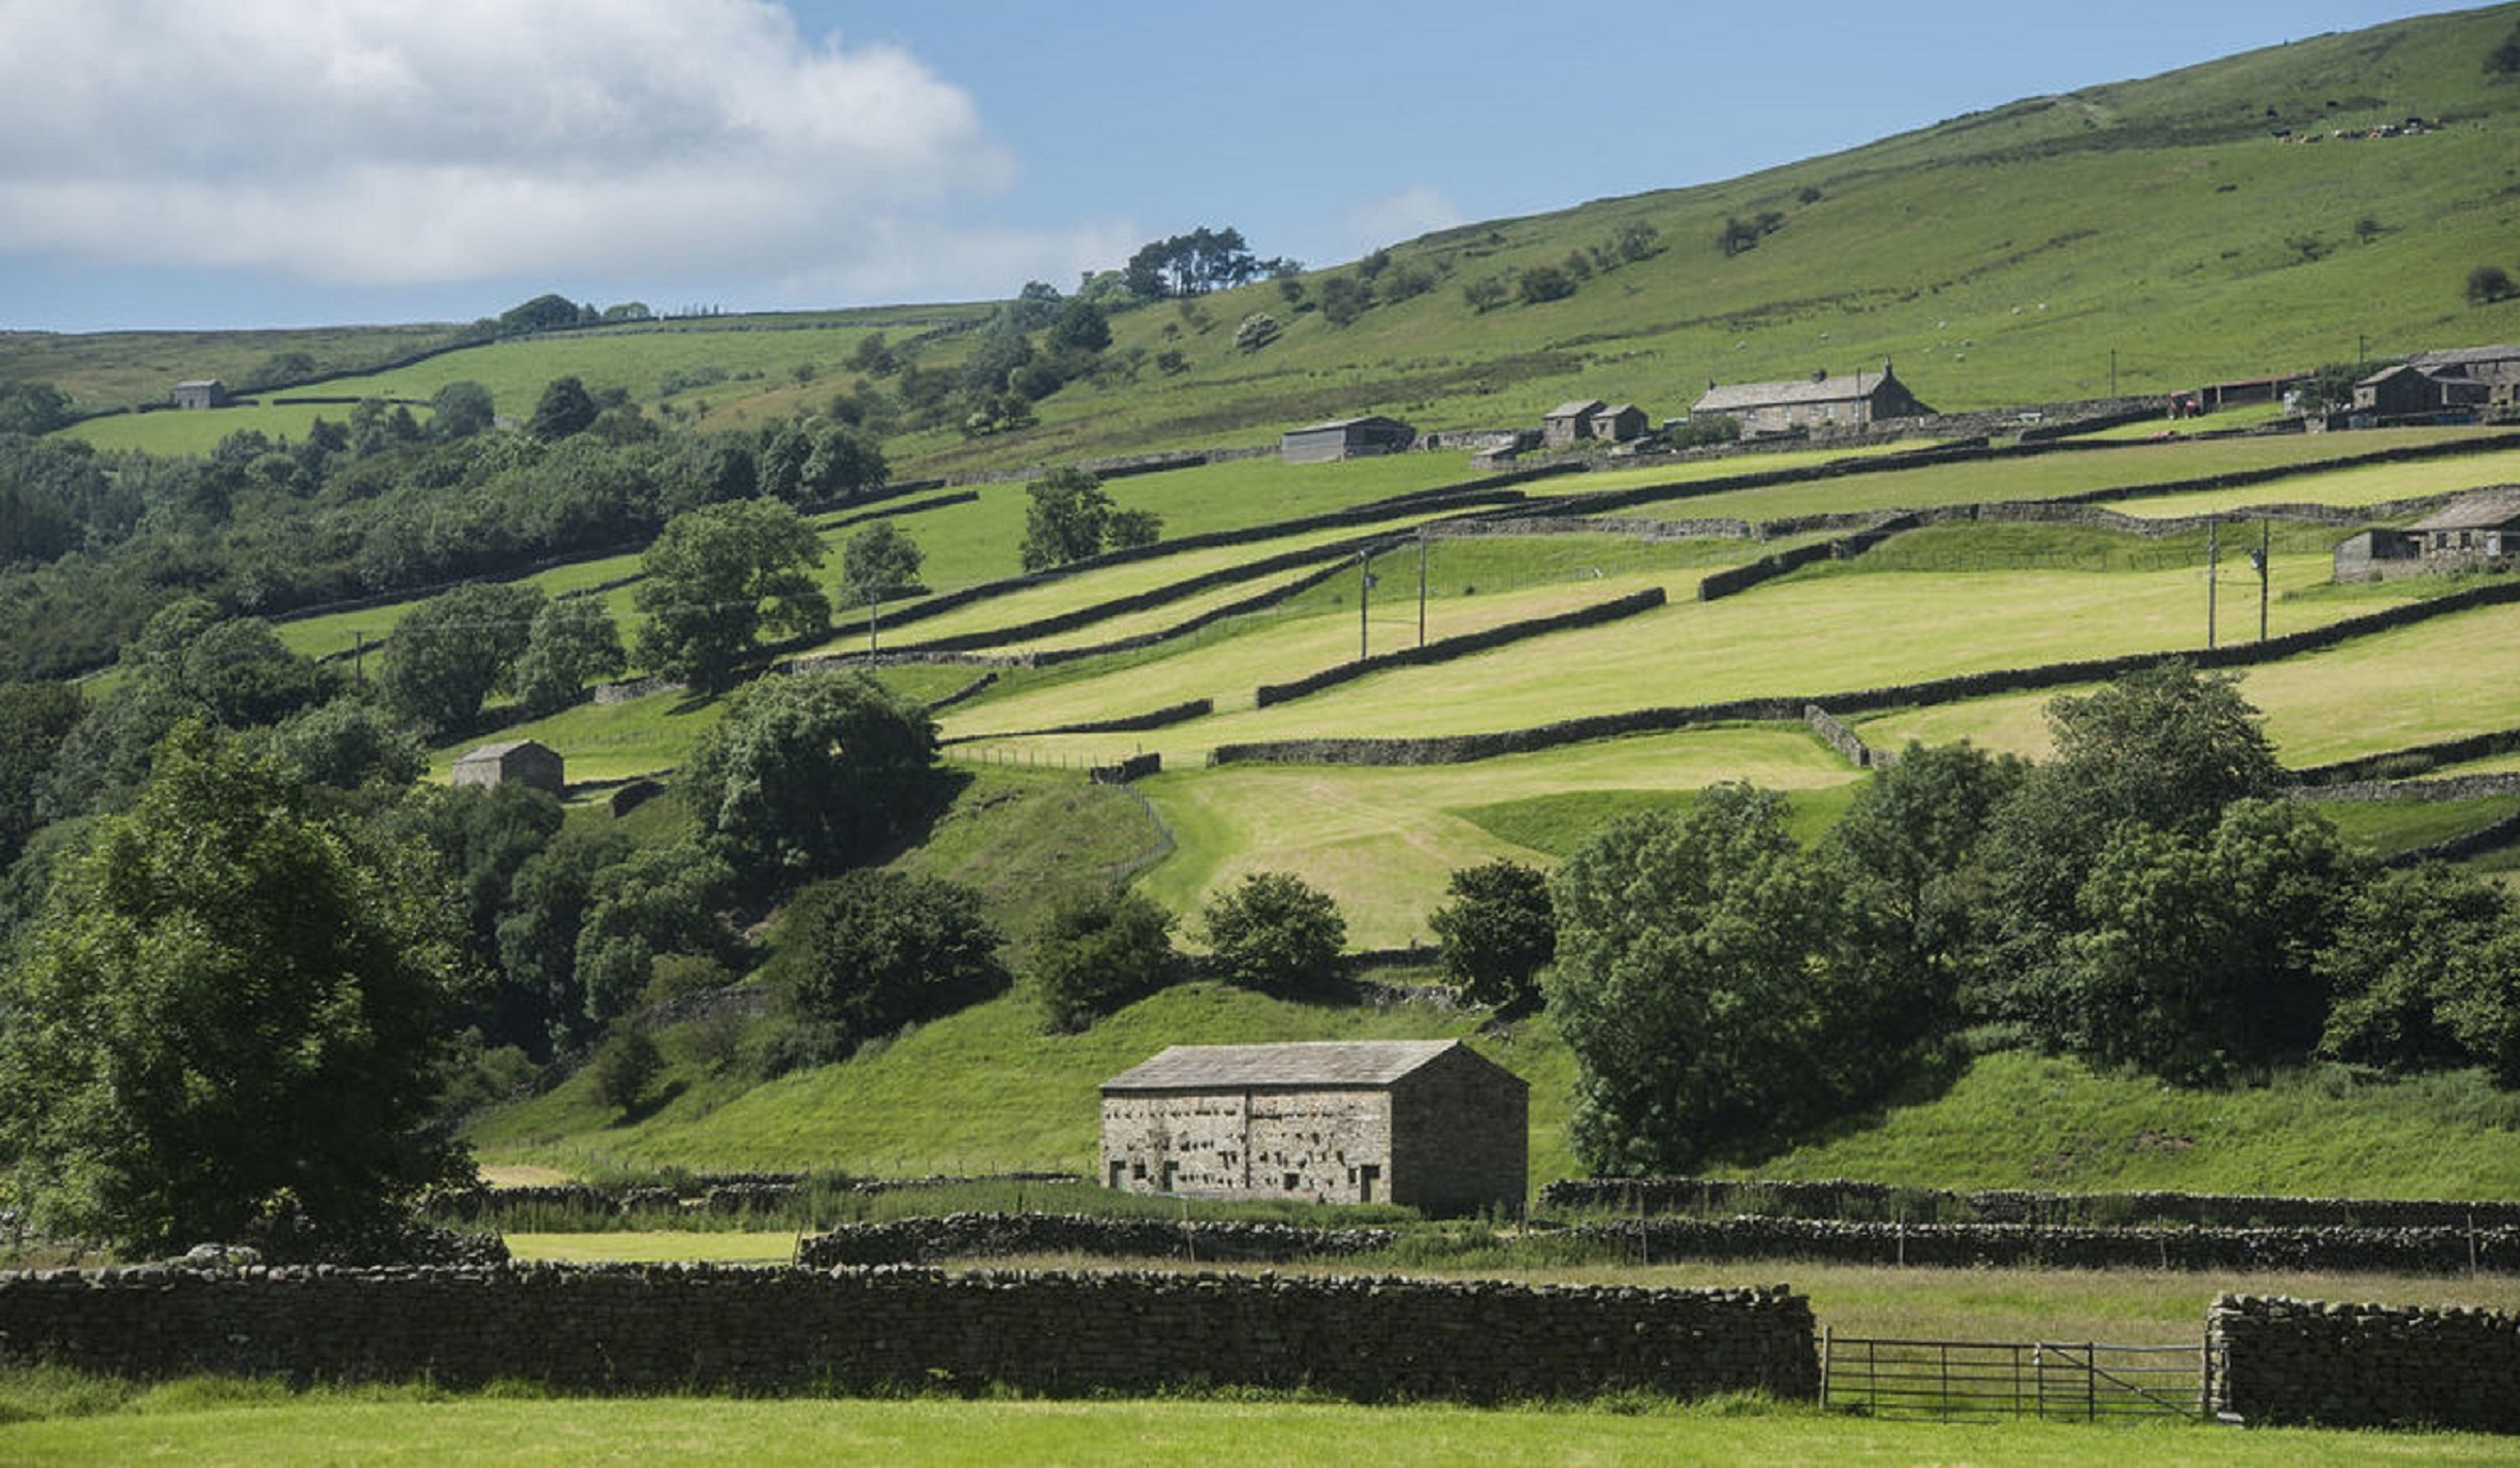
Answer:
x=2213 y=574
x=1421 y=588
x=1364 y=586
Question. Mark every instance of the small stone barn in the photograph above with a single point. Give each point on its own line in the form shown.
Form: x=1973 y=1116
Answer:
x=207 y=392
x=1620 y=422
x=1345 y=438
x=1568 y=423
x=519 y=761
x=2371 y=555
x=1817 y=403
x=1429 y=1124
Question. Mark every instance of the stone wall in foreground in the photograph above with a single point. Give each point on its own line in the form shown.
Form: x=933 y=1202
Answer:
x=2281 y=1361
x=632 y=1328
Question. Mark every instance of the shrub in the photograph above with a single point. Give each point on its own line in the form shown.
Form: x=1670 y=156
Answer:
x=624 y=1066
x=1257 y=331
x=2488 y=283
x=1545 y=282
x=1096 y=951
x=1276 y=933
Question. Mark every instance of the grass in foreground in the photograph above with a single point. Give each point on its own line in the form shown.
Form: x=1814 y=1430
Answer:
x=209 y=1423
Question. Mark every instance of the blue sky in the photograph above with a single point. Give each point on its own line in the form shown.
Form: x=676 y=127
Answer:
x=291 y=162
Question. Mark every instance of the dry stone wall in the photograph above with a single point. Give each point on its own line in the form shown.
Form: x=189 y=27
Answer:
x=2283 y=1360
x=1853 y=1201
x=624 y=1328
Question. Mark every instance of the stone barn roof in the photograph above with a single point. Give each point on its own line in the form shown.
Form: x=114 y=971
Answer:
x=1302 y=1063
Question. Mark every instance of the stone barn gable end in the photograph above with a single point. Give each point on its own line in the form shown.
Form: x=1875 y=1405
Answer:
x=1429 y=1124
x=522 y=761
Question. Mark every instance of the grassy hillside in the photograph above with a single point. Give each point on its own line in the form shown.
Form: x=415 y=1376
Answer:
x=2131 y=237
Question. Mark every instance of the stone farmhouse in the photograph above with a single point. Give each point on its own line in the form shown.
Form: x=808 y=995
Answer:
x=519 y=761
x=1817 y=403
x=1345 y=438
x=205 y=392
x=1429 y=1124
x=2473 y=530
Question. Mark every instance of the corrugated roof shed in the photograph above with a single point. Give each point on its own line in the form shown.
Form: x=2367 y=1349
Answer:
x=1316 y=1062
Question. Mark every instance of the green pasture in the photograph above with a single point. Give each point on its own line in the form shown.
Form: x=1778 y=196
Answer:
x=1805 y=636
x=176 y=434
x=214 y=1423
x=2388 y=828
x=2049 y=476
x=2420 y=685
x=2346 y=489
x=1384 y=841
x=2016 y=1119
x=2390 y=691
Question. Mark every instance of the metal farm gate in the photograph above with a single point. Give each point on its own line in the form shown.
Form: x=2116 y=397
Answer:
x=1964 y=1380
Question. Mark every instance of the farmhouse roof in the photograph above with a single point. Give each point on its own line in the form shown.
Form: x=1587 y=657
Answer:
x=2463 y=356
x=1800 y=391
x=1586 y=408
x=1317 y=1062
x=2499 y=505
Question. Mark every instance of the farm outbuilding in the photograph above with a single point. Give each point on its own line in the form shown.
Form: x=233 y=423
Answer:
x=2410 y=391
x=2371 y=555
x=1569 y=423
x=1429 y=1124
x=205 y=392
x=517 y=762
x=1815 y=403
x=1345 y=438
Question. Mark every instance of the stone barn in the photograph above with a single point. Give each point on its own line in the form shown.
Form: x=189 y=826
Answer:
x=1569 y=423
x=1345 y=438
x=1429 y=1124
x=521 y=762
x=205 y=392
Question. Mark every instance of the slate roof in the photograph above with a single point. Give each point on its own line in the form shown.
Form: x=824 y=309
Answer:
x=1346 y=423
x=1799 y=392
x=2484 y=509
x=2463 y=356
x=1315 y=1062
x=1583 y=409
x=498 y=751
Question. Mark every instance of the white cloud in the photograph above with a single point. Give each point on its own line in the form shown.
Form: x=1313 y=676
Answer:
x=396 y=143
x=1405 y=216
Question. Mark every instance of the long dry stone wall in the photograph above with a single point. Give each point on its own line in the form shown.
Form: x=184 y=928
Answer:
x=1851 y=1201
x=2302 y=1361
x=626 y=1328
x=1968 y=1246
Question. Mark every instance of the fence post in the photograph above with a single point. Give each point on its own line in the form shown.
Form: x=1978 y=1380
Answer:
x=1828 y=1341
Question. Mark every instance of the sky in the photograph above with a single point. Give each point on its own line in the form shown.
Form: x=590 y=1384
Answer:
x=198 y=164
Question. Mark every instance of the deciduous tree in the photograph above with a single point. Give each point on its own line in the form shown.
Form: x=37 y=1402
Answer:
x=808 y=771
x=718 y=576
x=228 y=1013
x=1497 y=931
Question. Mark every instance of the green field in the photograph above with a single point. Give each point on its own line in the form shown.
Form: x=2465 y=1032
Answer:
x=214 y=1424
